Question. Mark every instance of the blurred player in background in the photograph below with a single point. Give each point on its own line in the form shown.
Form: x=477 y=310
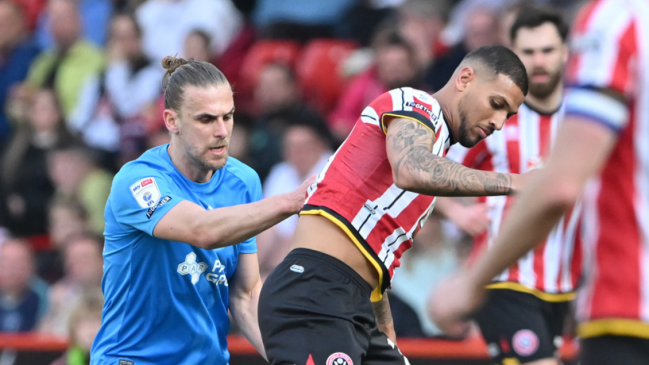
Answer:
x=370 y=201
x=523 y=318
x=180 y=225
x=601 y=149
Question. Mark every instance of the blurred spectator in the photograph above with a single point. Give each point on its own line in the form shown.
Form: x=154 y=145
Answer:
x=109 y=114
x=197 y=46
x=395 y=66
x=25 y=186
x=506 y=20
x=67 y=219
x=279 y=104
x=298 y=19
x=19 y=304
x=433 y=257
x=165 y=24
x=31 y=9
x=77 y=177
x=455 y=29
x=305 y=151
x=95 y=16
x=67 y=67
x=481 y=29
x=421 y=23
x=16 y=54
x=360 y=22
x=126 y=6
x=83 y=264
x=85 y=322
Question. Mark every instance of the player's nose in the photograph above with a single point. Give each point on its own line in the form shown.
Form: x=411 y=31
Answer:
x=498 y=121
x=220 y=129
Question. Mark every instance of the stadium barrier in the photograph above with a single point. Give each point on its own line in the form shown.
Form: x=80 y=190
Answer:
x=36 y=349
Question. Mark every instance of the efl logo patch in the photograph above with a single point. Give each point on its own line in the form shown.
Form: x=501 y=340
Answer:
x=126 y=362
x=339 y=358
x=525 y=342
x=146 y=192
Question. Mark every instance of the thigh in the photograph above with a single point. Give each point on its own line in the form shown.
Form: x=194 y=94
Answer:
x=615 y=350
x=382 y=351
x=311 y=316
x=514 y=326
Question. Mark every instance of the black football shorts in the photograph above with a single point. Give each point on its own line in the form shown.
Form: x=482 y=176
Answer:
x=521 y=326
x=614 y=350
x=316 y=310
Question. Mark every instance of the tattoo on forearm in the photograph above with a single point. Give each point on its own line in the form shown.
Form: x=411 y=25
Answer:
x=412 y=143
x=382 y=310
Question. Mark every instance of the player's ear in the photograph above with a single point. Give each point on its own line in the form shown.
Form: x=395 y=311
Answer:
x=171 y=120
x=464 y=77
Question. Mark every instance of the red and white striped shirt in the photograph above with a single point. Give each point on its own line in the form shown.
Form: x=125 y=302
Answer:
x=551 y=271
x=610 y=44
x=356 y=190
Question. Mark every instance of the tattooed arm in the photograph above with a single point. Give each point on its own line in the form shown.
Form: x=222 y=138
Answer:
x=415 y=168
x=384 y=317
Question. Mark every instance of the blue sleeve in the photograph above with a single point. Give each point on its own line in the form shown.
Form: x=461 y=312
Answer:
x=141 y=197
x=254 y=194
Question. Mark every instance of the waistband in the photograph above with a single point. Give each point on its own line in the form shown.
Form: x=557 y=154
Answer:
x=364 y=286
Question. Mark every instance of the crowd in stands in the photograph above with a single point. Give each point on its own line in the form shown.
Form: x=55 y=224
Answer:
x=80 y=95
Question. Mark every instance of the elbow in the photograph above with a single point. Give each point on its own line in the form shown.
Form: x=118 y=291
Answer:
x=563 y=196
x=204 y=238
x=403 y=180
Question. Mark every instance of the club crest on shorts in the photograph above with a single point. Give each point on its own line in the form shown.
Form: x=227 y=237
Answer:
x=339 y=358
x=525 y=342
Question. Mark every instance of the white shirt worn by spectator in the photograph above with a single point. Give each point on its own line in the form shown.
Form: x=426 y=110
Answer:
x=283 y=178
x=165 y=24
x=128 y=93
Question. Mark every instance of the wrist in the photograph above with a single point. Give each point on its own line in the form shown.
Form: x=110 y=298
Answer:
x=289 y=205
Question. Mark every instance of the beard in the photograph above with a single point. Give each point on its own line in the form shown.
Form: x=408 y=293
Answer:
x=543 y=90
x=463 y=129
x=203 y=160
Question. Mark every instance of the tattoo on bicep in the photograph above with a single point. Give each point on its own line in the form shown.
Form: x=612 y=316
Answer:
x=412 y=144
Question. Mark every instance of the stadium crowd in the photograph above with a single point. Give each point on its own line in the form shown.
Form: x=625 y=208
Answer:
x=80 y=95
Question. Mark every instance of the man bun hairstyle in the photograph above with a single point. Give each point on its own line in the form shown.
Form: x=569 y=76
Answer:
x=181 y=73
x=501 y=60
x=532 y=16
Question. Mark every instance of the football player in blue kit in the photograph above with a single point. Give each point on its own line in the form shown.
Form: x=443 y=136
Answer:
x=180 y=247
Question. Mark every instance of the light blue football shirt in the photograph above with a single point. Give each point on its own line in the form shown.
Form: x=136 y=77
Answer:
x=167 y=302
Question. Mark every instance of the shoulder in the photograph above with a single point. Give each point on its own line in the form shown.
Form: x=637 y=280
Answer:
x=150 y=164
x=236 y=169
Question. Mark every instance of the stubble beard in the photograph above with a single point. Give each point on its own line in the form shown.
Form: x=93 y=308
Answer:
x=463 y=129
x=543 y=90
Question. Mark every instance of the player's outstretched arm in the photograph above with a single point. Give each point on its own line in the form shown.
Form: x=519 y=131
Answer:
x=415 y=168
x=549 y=194
x=244 y=299
x=209 y=229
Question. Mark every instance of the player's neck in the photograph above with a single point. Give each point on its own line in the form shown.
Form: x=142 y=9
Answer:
x=548 y=104
x=185 y=166
x=445 y=99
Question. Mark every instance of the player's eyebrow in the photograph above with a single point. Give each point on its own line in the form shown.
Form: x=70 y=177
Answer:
x=509 y=108
x=211 y=116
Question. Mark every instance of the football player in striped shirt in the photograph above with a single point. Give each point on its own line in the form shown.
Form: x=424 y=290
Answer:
x=523 y=318
x=368 y=203
x=602 y=151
